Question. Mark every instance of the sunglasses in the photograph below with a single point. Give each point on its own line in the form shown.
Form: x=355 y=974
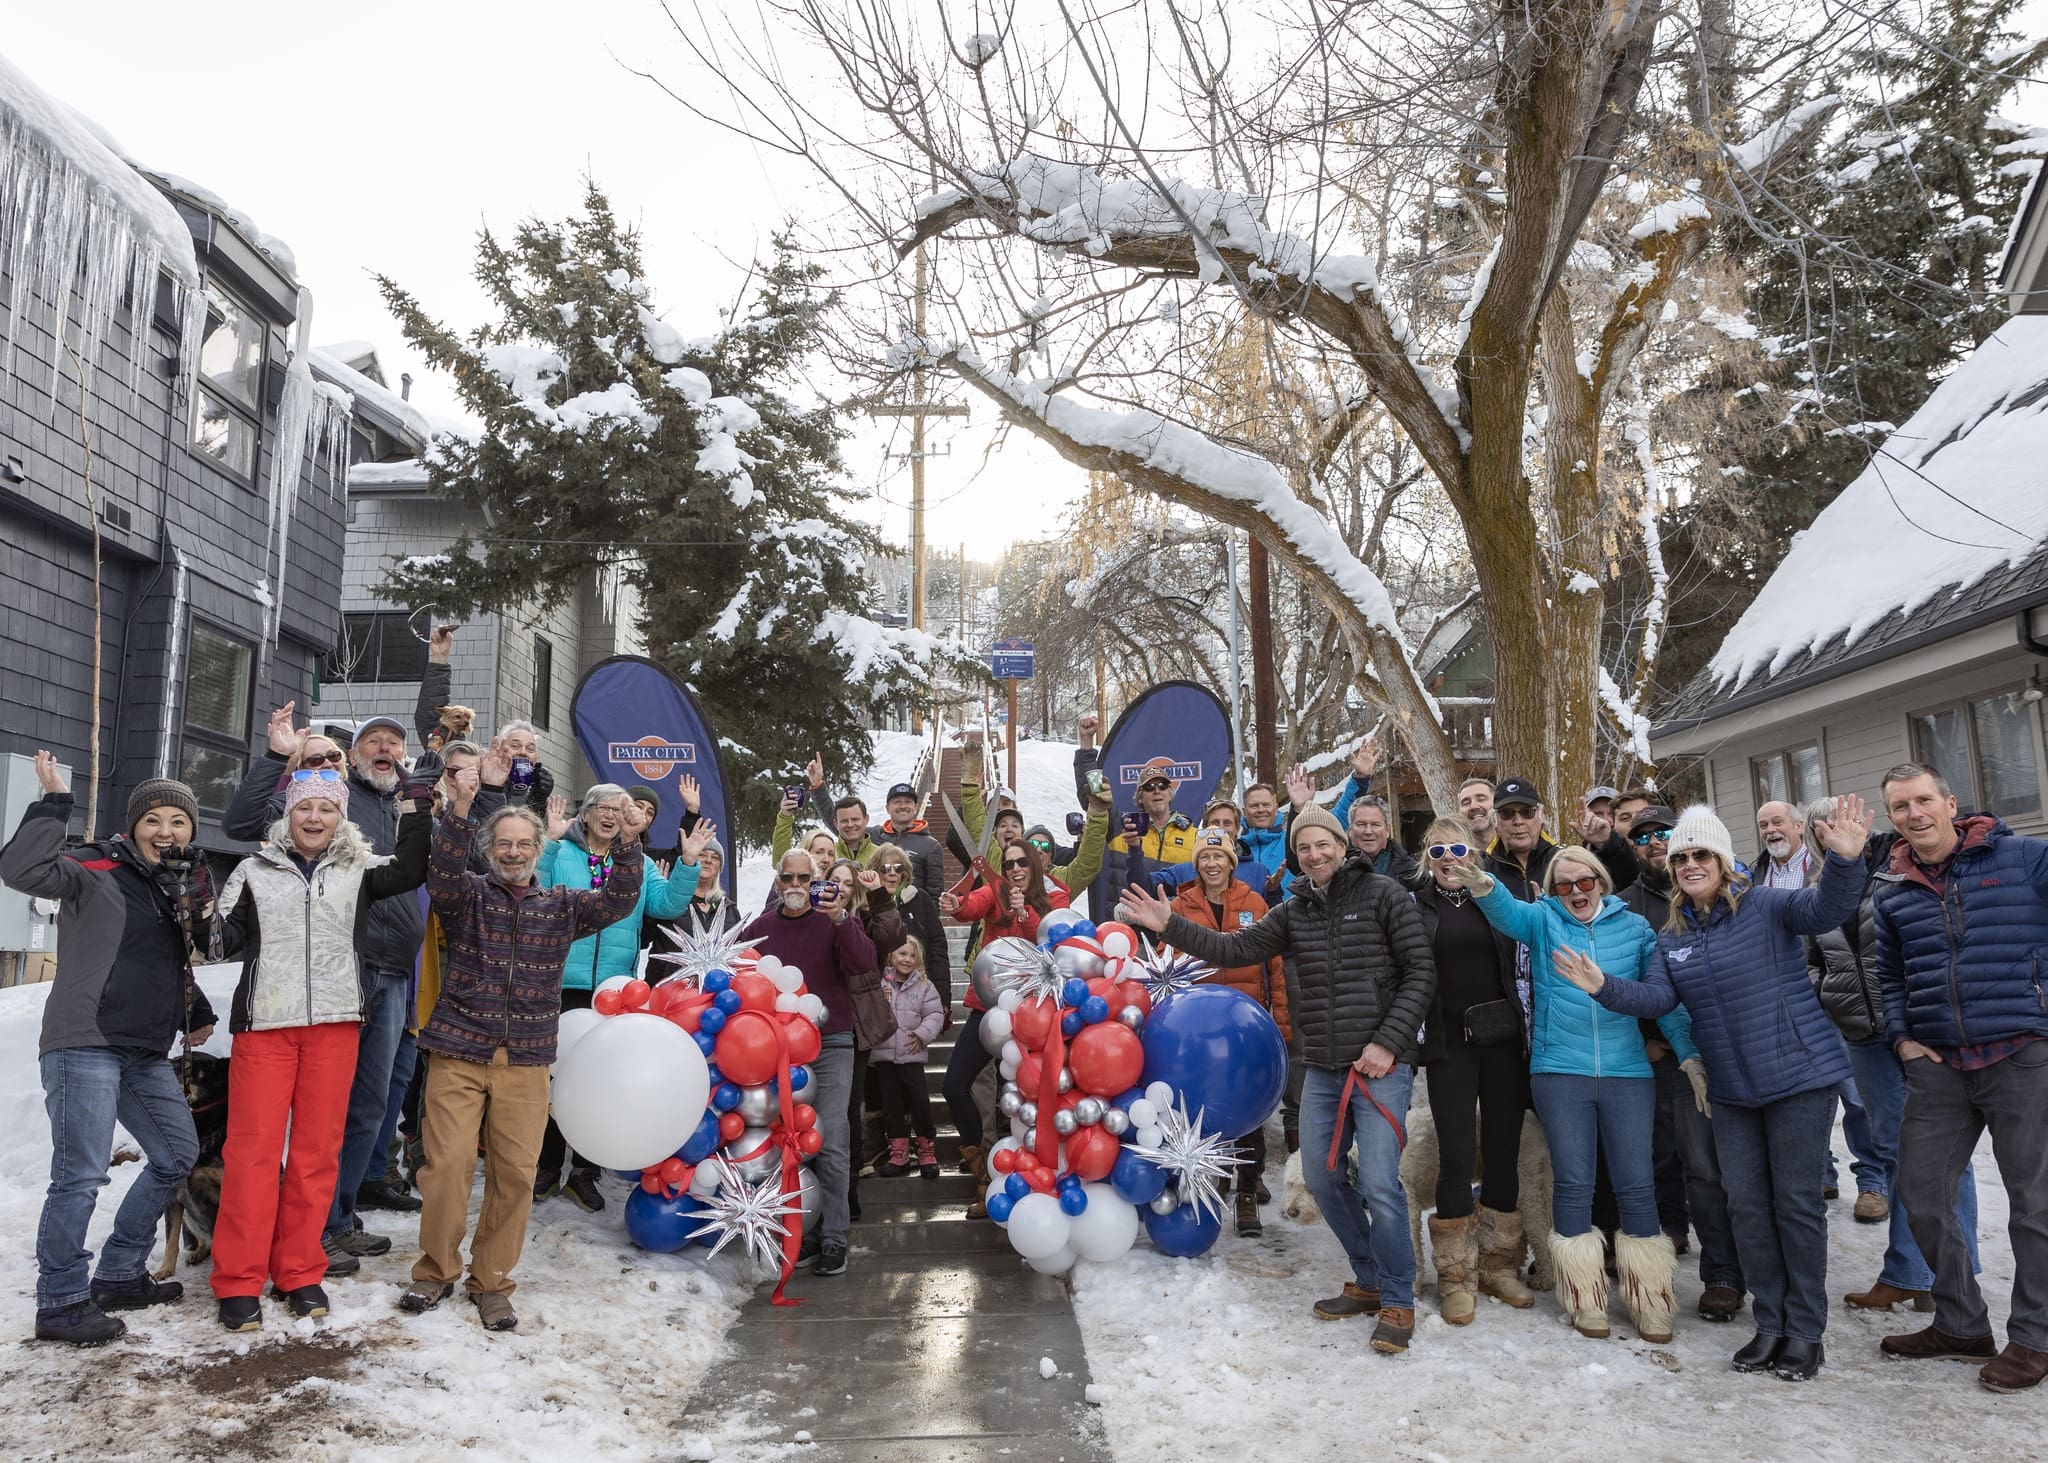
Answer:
x=1043 y=845
x=1684 y=856
x=1584 y=885
x=1516 y=814
x=1150 y=786
x=1654 y=835
x=1448 y=850
x=331 y=759
x=895 y=871
x=310 y=774
x=1016 y=863
x=792 y=878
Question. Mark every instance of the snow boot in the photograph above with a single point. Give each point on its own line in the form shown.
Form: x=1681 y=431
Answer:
x=1395 y=1330
x=1647 y=1267
x=973 y=1160
x=1581 y=1265
x=1454 y=1244
x=1248 y=1225
x=1500 y=1258
x=927 y=1158
x=897 y=1164
x=307 y=1302
x=241 y=1313
x=1355 y=1301
x=132 y=1295
x=546 y=1183
x=582 y=1187
x=79 y=1324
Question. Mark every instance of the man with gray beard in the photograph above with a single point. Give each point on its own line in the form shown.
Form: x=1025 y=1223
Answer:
x=391 y=943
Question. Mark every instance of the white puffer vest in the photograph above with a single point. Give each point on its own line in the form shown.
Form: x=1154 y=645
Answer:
x=306 y=972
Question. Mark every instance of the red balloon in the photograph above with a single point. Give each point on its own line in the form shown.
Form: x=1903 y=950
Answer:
x=1106 y=1058
x=1104 y=987
x=651 y=1181
x=746 y=1048
x=1091 y=1153
x=1041 y=1179
x=634 y=993
x=730 y=1126
x=1028 y=1072
x=675 y=1173
x=1033 y=1021
x=1131 y=993
x=658 y=999
x=1004 y=1160
x=805 y=1115
x=805 y=1041
x=1026 y=1159
x=606 y=1003
x=756 y=992
x=809 y=1142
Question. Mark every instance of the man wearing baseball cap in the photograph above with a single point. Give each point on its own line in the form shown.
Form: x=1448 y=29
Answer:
x=1155 y=834
x=1521 y=851
x=910 y=833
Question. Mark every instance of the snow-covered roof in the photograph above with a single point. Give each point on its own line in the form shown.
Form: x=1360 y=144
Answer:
x=386 y=404
x=408 y=472
x=1951 y=499
x=238 y=218
x=359 y=355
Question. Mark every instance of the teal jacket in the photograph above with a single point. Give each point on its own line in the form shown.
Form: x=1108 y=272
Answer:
x=1570 y=1032
x=615 y=949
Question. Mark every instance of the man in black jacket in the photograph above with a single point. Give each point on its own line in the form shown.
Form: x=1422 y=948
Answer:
x=1359 y=982
x=1521 y=851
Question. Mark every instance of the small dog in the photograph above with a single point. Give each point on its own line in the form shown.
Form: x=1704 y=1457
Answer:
x=189 y=1217
x=455 y=726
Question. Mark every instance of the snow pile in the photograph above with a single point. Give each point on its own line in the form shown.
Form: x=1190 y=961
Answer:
x=76 y=219
x=1951 y=496
x=1757 y=153
x=527 y=371
x=610 y=1338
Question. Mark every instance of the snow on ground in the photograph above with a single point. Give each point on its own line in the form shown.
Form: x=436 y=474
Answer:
x=612 y=1340
x=1219 y=1357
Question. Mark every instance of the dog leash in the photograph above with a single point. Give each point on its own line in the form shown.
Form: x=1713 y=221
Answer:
x=1352 y=1084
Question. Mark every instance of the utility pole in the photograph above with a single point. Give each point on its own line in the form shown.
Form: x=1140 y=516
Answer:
x=917 y=409
x=1263 y=698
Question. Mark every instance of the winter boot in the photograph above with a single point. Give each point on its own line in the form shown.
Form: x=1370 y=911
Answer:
x=1883 y=1296
x=898 y=1162
x=1647 y=1267
x=1354 y=1301
x=973 y=1159
x=546 y=1182
x=79 y=1324
x=1454 y=1243
x=1581 y=1265
x=1500 y=1258
x=582 y=1187
x=1395 y=1330
x=132 y=1295
x=2017 y=1369
x=927 y=1158
x=1248 y=1225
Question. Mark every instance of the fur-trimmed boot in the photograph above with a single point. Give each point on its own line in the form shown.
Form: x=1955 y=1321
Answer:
x=1454 y=1244
x=1581 y=1264
x=1500 y=1258
x=1646 y=1268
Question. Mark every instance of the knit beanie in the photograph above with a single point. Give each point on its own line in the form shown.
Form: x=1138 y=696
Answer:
x=1312 y=817
x=646 y=796
x=1700 y=827
x=322 y=784
x=1215 y=838
x=713 y=846
x=161 y=792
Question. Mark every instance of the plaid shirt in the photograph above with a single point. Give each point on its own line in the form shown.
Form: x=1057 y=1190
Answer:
x=1976 y=1058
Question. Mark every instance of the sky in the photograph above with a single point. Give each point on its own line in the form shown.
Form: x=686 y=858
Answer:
x=384 y=141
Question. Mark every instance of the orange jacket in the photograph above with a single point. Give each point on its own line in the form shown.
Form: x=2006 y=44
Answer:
x=1242 y=908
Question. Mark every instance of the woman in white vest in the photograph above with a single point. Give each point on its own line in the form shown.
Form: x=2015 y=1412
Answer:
x=295 y=911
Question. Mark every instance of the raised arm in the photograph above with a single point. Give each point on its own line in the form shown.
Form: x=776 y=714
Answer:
x=33 y=861
x=1254 y=946
x=1835 y=897
x=1509 y=915
x=408 y=867
x=1087 y=861
x=436 y=684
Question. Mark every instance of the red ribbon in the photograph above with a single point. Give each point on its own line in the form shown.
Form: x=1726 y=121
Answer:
x=1352 y=1084
x=784 y=1133
x=1050 y=1061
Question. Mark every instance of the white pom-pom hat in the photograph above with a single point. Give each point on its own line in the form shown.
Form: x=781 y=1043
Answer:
x=1699 y=826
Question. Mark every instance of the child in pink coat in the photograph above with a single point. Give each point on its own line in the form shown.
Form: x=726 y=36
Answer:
x=898 y=1063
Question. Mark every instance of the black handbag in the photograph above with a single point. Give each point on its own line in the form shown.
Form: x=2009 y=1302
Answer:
x=1492 y=1022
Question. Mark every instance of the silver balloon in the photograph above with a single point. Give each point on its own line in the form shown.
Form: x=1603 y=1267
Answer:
x=1166 y=1203
x=1027 y=1112
x=1010 y=1103
x=758 y=1106
x=999 y=966
x=1064 y=1123
x=768 y=1160
x=811 y=1194
x=1089 y=1111
x=1116 y=1122
x=1030 y=1138
x=1074 y=961
x=1132 y=1017
x=1066 y=1080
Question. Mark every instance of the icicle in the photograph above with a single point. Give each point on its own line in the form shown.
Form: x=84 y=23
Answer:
x=305 y=415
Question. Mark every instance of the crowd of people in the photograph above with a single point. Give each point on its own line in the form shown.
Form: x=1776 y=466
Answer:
x=1684 y=1025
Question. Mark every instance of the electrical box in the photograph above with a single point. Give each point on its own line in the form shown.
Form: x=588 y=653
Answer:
x=27 y=925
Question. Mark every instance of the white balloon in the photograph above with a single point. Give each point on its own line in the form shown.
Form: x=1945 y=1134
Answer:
x=1148 y=1137
x=768 y=964
x=1008 y=1001
x=1056 y=919
x=631 y=1091
x=1106 y=1228
x=573 y=1027
x=704 y=1182
x=1055 y=1264
x=811 y=1194
x=1009 y=1071
x=995 y=1029
x=812 y=1006
x=1141 y=1112
x=1012 y=1050
x=1117 y=943
x=786 y=981
x=1160 y=1096
x=788 y=1002
x=1037 y=1227
x=1017 y=1130
x=1000 y=1184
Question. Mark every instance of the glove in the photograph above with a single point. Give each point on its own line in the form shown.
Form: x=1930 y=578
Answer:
x=1696 y=1073
x=423 y=777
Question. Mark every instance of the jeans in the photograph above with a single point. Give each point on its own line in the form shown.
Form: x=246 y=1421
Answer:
x=402 y=1068
x=1371 y=1221
x=968 y=1061
x=1706 y=1201
x=1864 y=1162
x=1946 y=1112
x=1584 y=1117
x=833 y=1074
x=369 y=1094
x=1881 y=1080
x=1770 y=1163
x=1482 y=1092
x=1674 y=1209
x=84 y=1090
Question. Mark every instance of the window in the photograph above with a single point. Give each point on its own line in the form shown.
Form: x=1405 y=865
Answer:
x=374 y=647
x=1791 y=776
x=543 y=680
x=1985 y=749
x=215 y=748
x=228 y=395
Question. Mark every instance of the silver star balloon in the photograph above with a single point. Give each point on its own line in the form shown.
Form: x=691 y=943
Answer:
x=1020 y=966
x=699 y=955
x=1195 y=1160
x=751 y=1213
x=1166 y=971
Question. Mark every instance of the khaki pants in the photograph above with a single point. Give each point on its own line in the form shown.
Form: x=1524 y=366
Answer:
x=507 y=1107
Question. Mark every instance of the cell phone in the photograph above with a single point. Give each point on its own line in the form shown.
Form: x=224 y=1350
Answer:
x=796 y=792
x=818 y=888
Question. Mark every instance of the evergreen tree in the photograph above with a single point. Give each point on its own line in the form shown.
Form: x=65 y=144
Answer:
x=1873 y=278
x=611 y=443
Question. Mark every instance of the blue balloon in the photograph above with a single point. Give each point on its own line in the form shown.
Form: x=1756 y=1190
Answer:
x=712 y=1074
x=1136 y=1179
x=1073 y=1201
x=999 y=1207
x=1220 y=1050
x=1085 y=928
x=659 y=1223
x=1074 y=992
x=1069 y=1180
x=710 y=1024
x=702 y=1142
x=726 y=1096
x=1071 y=1024
x=1016 y=1186
x=630 y=1175
x=1125 y=1100
x=1184 y=1231
x=799 y=1078
x=1094 y=1009
x=727 y=1001
x=707 y=1042
x=716 y=980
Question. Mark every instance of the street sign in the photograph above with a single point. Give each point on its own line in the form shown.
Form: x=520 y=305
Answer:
x=1012 y=660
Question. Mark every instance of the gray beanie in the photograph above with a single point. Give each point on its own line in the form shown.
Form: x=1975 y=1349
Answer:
x=161 y=792
x=1312 y=817
x=712 y=845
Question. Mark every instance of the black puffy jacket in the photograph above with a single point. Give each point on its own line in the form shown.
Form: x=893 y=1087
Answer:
x=1358 y=964
x=1843 y=965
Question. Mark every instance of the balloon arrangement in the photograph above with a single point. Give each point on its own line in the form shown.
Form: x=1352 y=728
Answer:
x=692 y=1087
x=1106 y=1046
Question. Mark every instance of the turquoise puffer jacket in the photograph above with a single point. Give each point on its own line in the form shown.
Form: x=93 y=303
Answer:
x=615 y=949
x=1571 y=1033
